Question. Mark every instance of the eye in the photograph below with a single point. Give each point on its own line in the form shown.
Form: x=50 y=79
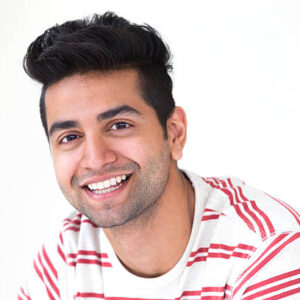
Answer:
x=120 y=125
x=68 y=138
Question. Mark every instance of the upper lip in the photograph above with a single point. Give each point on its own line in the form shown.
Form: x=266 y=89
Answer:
x=96 y=179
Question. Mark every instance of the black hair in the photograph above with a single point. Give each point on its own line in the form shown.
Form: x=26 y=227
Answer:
x=103 y=43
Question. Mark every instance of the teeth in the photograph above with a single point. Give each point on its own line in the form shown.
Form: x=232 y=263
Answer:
x=103 y=186
x=107 y=190
x=99 y=186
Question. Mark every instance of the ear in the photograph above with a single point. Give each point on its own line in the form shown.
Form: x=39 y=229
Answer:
x=177 y=125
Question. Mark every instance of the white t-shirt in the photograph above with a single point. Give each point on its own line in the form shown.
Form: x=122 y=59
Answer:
x=244 y=244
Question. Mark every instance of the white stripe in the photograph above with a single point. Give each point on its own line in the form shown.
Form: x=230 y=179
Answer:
x=275 y=283
x=46 y=282
x=258 y=261
x=280 y=291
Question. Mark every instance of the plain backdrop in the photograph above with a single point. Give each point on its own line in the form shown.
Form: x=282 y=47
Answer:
x=236 y=73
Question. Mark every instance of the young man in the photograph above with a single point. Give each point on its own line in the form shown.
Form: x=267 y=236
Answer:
x=142 y=227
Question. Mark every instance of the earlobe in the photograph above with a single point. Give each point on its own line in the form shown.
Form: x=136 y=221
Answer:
x=177 y=132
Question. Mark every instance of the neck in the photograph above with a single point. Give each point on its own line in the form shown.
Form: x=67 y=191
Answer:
x=153 y=243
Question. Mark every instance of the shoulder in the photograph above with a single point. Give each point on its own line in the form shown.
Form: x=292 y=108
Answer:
x=251 y=210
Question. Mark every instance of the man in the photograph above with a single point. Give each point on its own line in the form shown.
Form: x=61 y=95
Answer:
x=143 y=228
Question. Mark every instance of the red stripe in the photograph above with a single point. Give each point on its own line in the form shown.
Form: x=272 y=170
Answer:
x=42 y=278
x=213 y=289
x=75 y=221
x=91 y=223
x=223 y=182
x=261 y=213
x=212 y=298
x=256 y=219
x=87 y=252
x=244 y=218
x=185 y=293
x=249 y=210
x=265 y=217
x=61 y=253
x=222 y=246
x=229 y=194
x=49 y=262
x=72 y=228
x=92 y=261
x=101 y=296
x=246 y=247
x=268 y=258
x=61 y=238
x=212 y=184
x=24 y=294
x=238 y=200
x=285 y=294
x=197 y=259
x=211 y=217
x=200 y=250
x=89 y=295
x=237 y=208
x=89 y=262
x=50 y=280
x=273 y=289
x=78 y=222
x=272 y=279
x=217 y=255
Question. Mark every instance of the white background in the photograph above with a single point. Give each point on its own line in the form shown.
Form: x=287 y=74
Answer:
x=236 y=73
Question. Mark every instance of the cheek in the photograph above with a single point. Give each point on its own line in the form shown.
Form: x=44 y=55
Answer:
x=140 y=149
x=65 y=166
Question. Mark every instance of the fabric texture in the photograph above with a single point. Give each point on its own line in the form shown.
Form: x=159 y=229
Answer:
x=244 y=244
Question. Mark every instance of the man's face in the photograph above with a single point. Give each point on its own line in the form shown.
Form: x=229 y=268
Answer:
x=110 y=158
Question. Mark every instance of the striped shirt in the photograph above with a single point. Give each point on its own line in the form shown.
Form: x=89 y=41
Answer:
x=244 y=244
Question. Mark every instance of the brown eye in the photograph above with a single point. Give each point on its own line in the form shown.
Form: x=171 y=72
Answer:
x=120 y=125
x=68 y=138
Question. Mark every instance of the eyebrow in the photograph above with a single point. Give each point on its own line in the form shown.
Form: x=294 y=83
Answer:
x=116 y=111
x=59 y=125
x=62 y=125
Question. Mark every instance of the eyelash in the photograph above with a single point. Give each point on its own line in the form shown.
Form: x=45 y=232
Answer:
x=68 y=136
x=74 y=136
x=127 y=125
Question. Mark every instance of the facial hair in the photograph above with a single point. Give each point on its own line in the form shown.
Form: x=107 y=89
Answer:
x=146 y=188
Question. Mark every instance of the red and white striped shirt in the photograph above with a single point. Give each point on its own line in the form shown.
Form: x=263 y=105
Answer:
x=244 y=244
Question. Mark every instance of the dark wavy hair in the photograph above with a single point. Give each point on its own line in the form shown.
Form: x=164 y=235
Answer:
x=103 y=43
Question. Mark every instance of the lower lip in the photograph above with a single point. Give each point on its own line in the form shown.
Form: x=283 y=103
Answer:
x=108 y=195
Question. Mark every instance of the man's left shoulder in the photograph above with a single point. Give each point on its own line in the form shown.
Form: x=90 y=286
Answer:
x=278 y=215
x=260 y=211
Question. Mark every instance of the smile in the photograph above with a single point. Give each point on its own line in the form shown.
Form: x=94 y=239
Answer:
x=108 y=185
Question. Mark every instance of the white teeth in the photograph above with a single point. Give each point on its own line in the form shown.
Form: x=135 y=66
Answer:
x=107 y=190
x=100 y=186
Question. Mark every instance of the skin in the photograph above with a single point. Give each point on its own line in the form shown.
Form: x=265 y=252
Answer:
x=148 y=220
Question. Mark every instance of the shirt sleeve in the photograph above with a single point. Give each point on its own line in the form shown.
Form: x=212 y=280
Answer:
x=274 y=273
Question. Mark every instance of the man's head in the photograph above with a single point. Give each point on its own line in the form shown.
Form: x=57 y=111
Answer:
x=103 y=43
x=109 y=115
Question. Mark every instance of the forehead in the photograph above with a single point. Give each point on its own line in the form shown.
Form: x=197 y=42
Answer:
x=81 y=94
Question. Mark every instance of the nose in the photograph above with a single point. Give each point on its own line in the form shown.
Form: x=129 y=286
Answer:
x=97 y=153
